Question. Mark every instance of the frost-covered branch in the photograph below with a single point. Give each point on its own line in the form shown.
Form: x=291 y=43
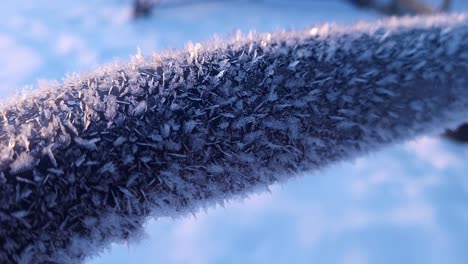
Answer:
x=86 y=162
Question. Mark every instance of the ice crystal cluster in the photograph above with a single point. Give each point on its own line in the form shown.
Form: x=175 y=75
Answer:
x=87 y=161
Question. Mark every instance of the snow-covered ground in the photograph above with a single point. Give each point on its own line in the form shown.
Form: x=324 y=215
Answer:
x=406 y=204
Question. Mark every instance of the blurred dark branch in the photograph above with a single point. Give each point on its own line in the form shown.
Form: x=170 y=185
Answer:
x=460 y=134
x=403 y=7
x=143 y=8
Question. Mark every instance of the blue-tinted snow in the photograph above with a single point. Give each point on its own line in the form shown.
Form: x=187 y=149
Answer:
x=406 y=204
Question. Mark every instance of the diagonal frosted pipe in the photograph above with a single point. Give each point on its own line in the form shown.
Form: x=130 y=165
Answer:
x=86 y=162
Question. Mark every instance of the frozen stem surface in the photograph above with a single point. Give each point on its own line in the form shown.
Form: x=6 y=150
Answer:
x=87 y=161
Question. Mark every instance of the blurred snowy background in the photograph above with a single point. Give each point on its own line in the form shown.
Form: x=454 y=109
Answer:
x=406 y=204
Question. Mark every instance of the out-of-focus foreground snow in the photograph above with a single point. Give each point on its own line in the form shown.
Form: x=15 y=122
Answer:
x=406 y=204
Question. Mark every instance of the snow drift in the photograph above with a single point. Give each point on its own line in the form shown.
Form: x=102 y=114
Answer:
x=86 y=162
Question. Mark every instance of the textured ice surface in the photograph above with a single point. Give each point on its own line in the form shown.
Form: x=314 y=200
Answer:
x=93 y=157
